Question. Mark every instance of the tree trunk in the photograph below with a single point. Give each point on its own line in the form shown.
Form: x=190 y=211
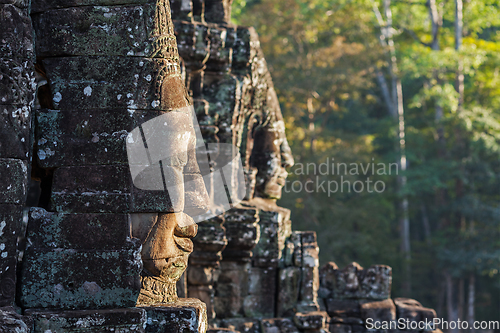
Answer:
x=436 y=23
x=458 y=43
x=471 y=303
x=451 y=309
x=461 y=300
x=425 y=224
x=310 y=111
x=396 y=110
x=404 y=220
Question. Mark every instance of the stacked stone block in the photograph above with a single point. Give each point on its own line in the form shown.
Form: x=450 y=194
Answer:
x=17 y=94
x=354 y=296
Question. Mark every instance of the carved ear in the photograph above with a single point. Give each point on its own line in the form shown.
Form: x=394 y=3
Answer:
x=173 y=93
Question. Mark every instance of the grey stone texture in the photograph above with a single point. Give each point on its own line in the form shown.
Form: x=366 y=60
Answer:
x=17 y=95
x=79 y=261
x=10 y=229
x=185 y=315
x=11 y=321
x=89 y=321
x=354 y=282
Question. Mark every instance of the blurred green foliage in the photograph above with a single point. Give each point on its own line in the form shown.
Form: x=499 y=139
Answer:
x=324 y=57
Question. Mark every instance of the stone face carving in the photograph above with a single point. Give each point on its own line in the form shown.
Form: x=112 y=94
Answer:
x=165 y=252
x=114 y=78
x=271 y=155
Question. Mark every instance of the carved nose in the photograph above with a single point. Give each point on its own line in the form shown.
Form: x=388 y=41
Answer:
x=188 y=231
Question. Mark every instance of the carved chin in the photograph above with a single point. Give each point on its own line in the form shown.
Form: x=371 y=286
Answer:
x=168 y=270
x=272 y=190
x=175 y=267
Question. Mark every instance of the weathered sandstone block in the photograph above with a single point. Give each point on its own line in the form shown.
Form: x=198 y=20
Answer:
x=131 y=320
x=68 y=278
x=15 y=128
x=13 y=181
x=10 y=229
x=103 y=31
x=186 y=315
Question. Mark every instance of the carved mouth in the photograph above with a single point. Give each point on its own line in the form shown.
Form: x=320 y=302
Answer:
x=185 y=244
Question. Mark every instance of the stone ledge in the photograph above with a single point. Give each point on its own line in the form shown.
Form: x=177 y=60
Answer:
x=89 y=321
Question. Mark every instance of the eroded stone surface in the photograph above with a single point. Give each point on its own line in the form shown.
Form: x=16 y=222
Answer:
x=281 y=325
x=186 y=315
x=99 y=136
x=310 y=321
x=16 y=37
x=242 y=325
x=275 y=227
x=110 y=189
x=14 y=181
x=10 y=228
x=130 y=83
x=49 y=230
x=261 y=299
x=68 y=278
x=15 y=127
x=379 y=311
x=232 y=288
x=354 y=282
x=23 y=4
x=242 y=232
x=288 y=290
x=89 y=321
x=103 y=30
x=218 y=11
x=10 y=321
x=208 y=244
x=91 y=189
x=343 y=308
x=413 y=311
x=17 y=82
x=45 y=5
